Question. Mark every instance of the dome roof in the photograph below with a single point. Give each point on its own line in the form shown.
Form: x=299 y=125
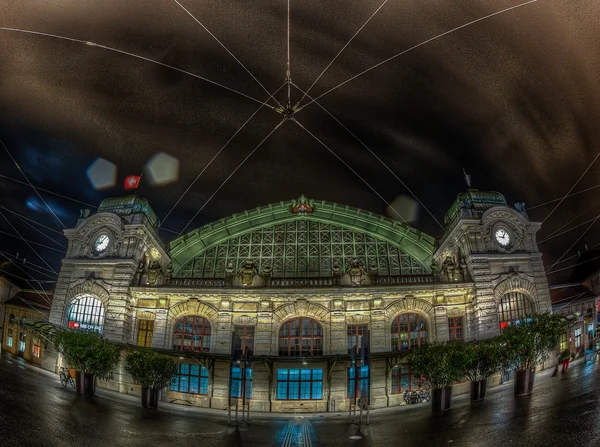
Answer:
x=474 y=200
x=128 y=205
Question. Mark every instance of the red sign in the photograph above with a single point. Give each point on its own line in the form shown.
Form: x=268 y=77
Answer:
x=132 y=181
x=503 y=324
x=74 y=324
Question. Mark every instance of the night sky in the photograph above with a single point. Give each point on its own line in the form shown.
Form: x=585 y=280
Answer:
x=513 y=99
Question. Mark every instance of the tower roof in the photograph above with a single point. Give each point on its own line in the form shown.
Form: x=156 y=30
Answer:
x=128 y=205
x=475 y=201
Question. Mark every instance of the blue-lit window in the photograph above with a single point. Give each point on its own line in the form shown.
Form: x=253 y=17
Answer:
x=299 y=384
x=191 y=379
x=363 y=384
x=236 y=382
x=402 y=379
x=10 y=338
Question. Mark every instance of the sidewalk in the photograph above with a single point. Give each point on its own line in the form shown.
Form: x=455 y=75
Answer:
x=135 y=401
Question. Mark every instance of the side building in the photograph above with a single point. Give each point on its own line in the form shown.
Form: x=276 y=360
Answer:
x=300 y=282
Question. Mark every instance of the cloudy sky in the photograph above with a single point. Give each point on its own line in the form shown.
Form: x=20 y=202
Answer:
x=513 y=99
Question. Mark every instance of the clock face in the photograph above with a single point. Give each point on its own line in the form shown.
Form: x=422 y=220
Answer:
x=502 y=237
x=101 y=243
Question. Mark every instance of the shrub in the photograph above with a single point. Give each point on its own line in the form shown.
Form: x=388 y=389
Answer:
x=87 y=352
x=150 y=369
x=440 y=364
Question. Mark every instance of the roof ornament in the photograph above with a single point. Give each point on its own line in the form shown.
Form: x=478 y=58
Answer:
x=302 y=205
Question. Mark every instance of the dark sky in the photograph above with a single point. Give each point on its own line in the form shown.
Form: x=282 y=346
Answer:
x=513 y=99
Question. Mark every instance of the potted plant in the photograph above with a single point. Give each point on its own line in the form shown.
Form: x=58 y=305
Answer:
x=152 y=371
x=481 y=361
x=440 y=365
x=528 y=344
x=90 y=355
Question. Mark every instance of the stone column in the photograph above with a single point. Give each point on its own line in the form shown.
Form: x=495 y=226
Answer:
x=260 y=388
x=222 y=334
x=379 y=332
x=160 y=339
x=337 y=335
x=219 y=391
x=117 y=324
x=338 y=386
x=440 y=318
x=264 y=342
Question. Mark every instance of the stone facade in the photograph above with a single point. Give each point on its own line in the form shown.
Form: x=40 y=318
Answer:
x=256 y=272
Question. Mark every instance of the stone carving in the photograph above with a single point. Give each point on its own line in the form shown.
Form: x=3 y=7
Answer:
x=435 y=270
x=230 y=269
x=449 y=269
x=87 y=285
x=358 y=274
x=153 y=271
x=302 y=205
x=336 y=269
x=520 y=206
x=84 y=214
x=266 y=271
x=169 y=271
x=247 y=272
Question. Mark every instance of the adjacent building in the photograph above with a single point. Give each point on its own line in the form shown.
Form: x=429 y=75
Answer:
x=300 y=283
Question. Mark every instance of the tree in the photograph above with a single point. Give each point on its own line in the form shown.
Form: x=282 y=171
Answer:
x=531 y=341
x=87 y=352
x=440 y=364
x=150 y=369
x=482 y=360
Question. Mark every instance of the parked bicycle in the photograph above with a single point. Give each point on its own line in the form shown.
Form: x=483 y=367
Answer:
x=66 y=378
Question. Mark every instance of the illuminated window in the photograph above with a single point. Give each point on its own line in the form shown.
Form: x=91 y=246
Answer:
x=299 y=384
x=145 y=331
x=9 y=341
x=192 y=379
x=86 y=313
x=301 y=336
x=363 y=384
x=236 y=382
x=578 y=338
x=408 y=331
x=246 y=334
x=402 y=379
x=22 y=341
x=355 y=333
x=513 y=307
x=563 y=342
x=192 y=333
x=36 y=347
x=455 y=328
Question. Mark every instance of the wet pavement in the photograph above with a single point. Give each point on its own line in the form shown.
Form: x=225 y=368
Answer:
x=35 y=410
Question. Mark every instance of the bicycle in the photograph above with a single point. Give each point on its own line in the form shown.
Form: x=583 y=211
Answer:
x=65 y=377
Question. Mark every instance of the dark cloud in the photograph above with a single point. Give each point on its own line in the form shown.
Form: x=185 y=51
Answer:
x=513 y=99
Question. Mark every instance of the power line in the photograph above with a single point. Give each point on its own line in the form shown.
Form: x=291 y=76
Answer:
x=417 y=46
x=339 y=52
x=27 y=241
x=31 y=220
x=47 y=298
x=40 y=269
x=213 y=159
x=567 y=231
x=41 y=232
x=351 y=169
x=30 y=184
x=228 y=51
x=376 y=157
x=137 y=56
x=231 y=175
x=569 y=249
x=572 y=187
x=25 y=279
x=574 y=218
x=529 y=208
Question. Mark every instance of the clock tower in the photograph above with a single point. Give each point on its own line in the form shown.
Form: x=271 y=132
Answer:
x=107 y=253
x=497 y=245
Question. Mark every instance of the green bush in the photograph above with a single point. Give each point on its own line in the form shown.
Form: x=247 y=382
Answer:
x=87 y=352
x=530 y=342
x=439 y=364
x=150 y=369
x=483 y=359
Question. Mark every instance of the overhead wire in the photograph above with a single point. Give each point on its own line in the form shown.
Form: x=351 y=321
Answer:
x=18 y=236
x=376 y=157
x=231 y=175
x=228 y=51
x=567 y=231
x=21 y=216
x=46 y=297
x=574 y=243
x=41 y=232
x=417 y=46
x=529 y=208
x=573 y=219
x=213 y=159
x=6 y=272
x=339 y=52
x=572 y=188
x=137 y=56
x=351 y=169
x=43 y=270
x=30 y=184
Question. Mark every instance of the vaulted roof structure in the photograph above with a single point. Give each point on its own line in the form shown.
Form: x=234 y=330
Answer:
x=302 y=238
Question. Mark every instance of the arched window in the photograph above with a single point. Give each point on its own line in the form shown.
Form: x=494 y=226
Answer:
x=192 y=333
x=86 y=313
x=301 y=336
x=513 y=307
x=408 y=331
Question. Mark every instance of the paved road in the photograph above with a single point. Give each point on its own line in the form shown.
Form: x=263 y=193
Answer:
x=36 y=411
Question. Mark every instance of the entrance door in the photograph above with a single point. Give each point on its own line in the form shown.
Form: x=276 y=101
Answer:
x=21 y=344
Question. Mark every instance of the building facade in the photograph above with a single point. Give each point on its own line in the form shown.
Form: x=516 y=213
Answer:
x=300 y=283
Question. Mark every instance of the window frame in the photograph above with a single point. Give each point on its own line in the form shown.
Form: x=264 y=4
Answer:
x=421 y=339
x=89 y=311
x=9 y=338
x=357 y=335
x=301 y=352
x=246 y=338
x=398 y=372
x=202 y=376
x=363 y=380
x=147 y=331
x=183 y=333
x=236 y=382
x=455 y=329
x=288 y=384
x=514 y=306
